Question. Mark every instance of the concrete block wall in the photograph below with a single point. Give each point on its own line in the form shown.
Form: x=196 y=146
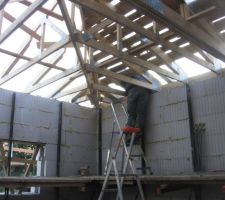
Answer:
x=108 y=125
x=79 y=139
x=36 y=121
x=209 y=109
x=167 y=136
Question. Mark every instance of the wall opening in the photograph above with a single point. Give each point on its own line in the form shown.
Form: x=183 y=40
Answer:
x=26 y=161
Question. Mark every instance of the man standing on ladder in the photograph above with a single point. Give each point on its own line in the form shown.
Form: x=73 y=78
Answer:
x=137 y=103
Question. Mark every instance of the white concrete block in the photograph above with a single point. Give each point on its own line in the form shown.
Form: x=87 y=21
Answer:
x=50 y=168
x=50 y=152
x=6 y=97
x=73 y=110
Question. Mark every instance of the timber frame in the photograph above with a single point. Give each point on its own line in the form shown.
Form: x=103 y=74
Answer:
x=115 y=43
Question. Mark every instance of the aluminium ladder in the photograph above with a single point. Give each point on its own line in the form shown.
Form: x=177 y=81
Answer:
x=111 y=163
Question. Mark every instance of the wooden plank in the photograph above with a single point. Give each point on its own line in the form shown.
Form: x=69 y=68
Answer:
x=21 y=19
x=19 y=160
x=3 y=3
x=54 y=79
x=23 y=27
x=35 y=152
x=141 y=72
x=105 y=88
x=79 y=95
x=2 y=152
x=120 y=77
x=71 y=91
x=201 y=14
x=20 y=150
x=30 y=59
x=15 y=60
x=35 y=60
x=1 y=20
x=169 y=62
x=44 y=10
x=64 y=85
x=201 y=178
x=43 y=73
x=71 y=30
x=123 y=56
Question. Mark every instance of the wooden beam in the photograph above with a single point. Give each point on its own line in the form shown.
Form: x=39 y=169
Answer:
x=100 y=26
x=54 y=79
x=3 y=3
x=71 y=30
x=33 y=158
x=23 y=27
x=21 y=19
x=26 y=46
x=123 y=56
x=119 y=37
x=1 y=20
x=141 y=71
x=105 y=11
x=43 y=73
x=15 y=60
x=30 y=59
x=20 y=160
x=63 y=86
x=220 y=4
x=71 y=91
x=200 y=14
x=78 y=181
x=44 y=10
x=20 y=150
x=83 y=99
x=169 y=62
x=35 y=60
x=2 y=153
x=105 y=88
x=79 y=95
x=120 y=77
x=186 y=29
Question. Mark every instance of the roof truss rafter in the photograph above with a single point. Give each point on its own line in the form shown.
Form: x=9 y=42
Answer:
x=107 y=12
x=21 y=19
